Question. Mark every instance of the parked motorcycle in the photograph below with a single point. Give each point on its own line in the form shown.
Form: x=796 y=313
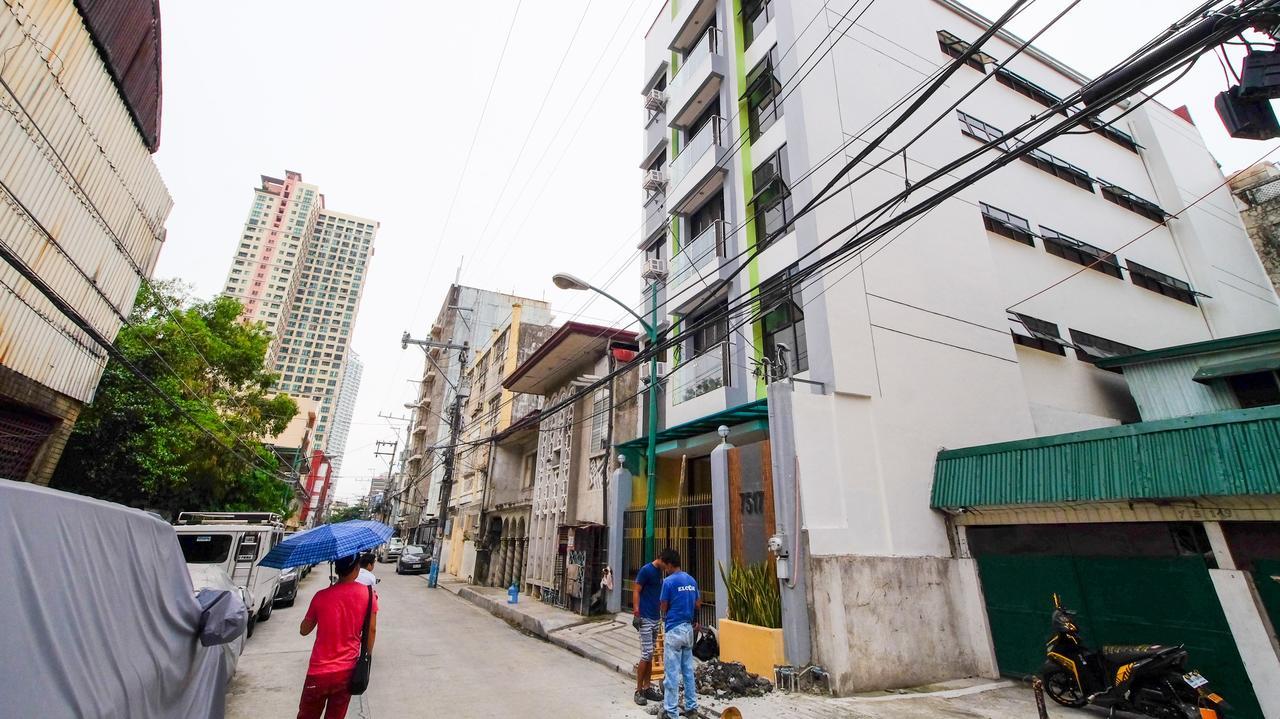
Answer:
x=1145 y=679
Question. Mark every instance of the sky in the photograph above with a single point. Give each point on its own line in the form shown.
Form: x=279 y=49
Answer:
x=495 y=147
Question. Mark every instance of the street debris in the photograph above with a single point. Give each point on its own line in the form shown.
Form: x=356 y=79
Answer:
x=725 y=680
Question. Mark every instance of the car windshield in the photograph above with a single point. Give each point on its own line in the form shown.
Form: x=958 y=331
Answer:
x=414 y=549
x=205 y=548
x=397 y=543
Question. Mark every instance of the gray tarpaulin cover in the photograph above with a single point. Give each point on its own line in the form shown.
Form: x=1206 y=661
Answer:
x=223 y=617
x=97 y=614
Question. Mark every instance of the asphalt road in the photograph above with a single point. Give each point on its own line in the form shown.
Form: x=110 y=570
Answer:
x=436 y=655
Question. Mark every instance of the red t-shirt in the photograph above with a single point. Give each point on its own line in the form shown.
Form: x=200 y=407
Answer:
x=339 y=616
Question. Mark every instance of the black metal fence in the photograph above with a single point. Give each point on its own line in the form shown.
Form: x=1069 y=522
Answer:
x=687 y=530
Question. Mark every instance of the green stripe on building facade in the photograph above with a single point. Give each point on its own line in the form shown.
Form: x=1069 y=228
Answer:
x=748 y=190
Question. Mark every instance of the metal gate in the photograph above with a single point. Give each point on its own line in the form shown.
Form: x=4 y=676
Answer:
x=1120 y=600
x=688 y=531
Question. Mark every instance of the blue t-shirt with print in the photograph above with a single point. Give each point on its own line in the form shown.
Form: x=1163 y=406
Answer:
x=680 y=592
x=650 y=580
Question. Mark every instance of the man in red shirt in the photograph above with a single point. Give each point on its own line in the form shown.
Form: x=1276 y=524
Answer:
x=338 y=615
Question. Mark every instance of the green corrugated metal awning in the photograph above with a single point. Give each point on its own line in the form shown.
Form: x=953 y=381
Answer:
x=1262 y=363
x=758 y=409
x=1233 y=453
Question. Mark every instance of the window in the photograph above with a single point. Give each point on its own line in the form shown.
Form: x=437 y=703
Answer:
x=1007 y=224
x=981 y=131
x=600 y=420
x=1257 y=389
x=714 y=332
x=1091 y=348
x=706 y=216
x=1081 y=253
x=1132 y=202
x=771 y=204
x=782 y=321
x=1059 y=168
x=756 y=15
x=1025 y=87
x=764 y=106
x=1159 y=282
x=955 y=47
x=1037 y=334
x=205 y=548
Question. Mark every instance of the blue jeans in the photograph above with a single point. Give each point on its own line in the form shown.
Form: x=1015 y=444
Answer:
x=677 y=664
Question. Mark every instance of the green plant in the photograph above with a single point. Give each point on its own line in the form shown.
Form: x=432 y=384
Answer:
x=753 y=594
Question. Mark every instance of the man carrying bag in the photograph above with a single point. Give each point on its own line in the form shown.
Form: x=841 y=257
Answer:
x=345 y=616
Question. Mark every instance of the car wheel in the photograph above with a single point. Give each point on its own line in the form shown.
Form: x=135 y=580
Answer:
x=265 y=613
x=253 y=622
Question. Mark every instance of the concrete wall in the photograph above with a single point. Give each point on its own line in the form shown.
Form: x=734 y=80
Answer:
x=886 y=622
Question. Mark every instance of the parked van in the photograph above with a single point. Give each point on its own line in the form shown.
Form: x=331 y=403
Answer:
x=236 y=541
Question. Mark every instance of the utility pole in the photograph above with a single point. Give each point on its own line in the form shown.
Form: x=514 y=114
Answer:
x=455 y=427
x=377 y=452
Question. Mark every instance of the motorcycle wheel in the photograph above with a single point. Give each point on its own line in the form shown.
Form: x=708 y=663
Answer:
x=1063 y=689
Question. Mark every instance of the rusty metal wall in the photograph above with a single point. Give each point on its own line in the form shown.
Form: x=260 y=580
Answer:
x=127 y=33
x=81 y=201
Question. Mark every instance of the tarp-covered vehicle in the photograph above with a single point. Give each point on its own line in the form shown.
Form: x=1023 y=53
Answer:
x=100 y=617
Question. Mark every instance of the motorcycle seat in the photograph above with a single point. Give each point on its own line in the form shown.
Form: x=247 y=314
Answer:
x=1125 y=653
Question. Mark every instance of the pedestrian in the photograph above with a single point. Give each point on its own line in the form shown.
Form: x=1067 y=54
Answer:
x=644 y=601
x=366 y=576
x=337 y=615
x=679 y=603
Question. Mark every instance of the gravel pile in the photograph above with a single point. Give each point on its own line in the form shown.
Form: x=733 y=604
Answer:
x=727 y=680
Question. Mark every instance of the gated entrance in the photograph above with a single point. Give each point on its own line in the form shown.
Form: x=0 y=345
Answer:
x=1132 y=583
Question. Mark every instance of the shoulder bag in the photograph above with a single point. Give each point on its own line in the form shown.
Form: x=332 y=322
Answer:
x=359 y=680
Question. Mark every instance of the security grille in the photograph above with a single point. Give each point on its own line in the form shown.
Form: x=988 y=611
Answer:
x=22 y=434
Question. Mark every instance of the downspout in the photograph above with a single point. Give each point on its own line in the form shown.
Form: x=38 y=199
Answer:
x=608 y=441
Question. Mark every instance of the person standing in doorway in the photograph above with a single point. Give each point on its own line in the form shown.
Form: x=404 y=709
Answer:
x=337 y=615
x=644 y=602
x=679 y=603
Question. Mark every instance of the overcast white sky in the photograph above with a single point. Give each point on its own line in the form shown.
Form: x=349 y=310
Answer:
x=377 y=103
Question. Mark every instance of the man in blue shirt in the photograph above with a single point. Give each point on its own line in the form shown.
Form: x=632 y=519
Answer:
x=644 y=598
x=679 y=603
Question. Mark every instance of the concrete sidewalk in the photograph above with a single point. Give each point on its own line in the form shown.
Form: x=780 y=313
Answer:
x=611 y=641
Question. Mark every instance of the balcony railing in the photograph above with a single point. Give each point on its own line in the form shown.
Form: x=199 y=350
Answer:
x=709 y=44
x=692 y=256
x=700 y=375
x=711 y=135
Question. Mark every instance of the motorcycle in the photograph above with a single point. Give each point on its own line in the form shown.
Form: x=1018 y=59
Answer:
x=1145 y=679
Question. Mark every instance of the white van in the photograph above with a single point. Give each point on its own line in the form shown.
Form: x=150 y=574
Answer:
x=235 y=541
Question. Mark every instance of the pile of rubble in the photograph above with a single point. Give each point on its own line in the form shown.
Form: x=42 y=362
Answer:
x=727 y=680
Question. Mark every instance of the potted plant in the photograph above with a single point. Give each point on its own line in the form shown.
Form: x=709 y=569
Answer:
x=752 y=634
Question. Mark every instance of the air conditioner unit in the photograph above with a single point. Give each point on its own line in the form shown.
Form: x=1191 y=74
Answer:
x=654 y=269
x=655 y=180
x=655 y=100
x=644 y=371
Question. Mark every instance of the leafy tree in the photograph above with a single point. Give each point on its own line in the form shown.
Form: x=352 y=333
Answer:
x=355 y=511
x=131 y=446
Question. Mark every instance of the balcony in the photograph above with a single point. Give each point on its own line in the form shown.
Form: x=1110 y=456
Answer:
x=702 y=374
x=691 y=19
x=699 y=170
x=654 y=218
x=699 y=258
x=697 y=80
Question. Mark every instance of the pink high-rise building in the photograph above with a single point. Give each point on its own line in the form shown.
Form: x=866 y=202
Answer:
x=300 y=269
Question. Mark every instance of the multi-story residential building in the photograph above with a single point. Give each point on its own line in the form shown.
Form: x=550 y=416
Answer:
x=293 y=447
x=568 y=466
x=981 y=321
x=319 y=486
x=489 y=412
x=300 y=268
x=1258 y=189
x=83 y=209
x=348 y=390
x=468 y=317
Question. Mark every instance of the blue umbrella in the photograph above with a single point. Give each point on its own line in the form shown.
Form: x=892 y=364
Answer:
x=327 y=543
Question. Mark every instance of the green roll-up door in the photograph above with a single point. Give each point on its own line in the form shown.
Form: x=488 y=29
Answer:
x=1266 y=577
x=1131 y=600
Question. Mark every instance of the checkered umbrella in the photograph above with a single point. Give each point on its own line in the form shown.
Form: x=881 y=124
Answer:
x=327 y=543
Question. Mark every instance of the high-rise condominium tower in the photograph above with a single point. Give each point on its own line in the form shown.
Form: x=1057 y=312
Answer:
x=300 y=268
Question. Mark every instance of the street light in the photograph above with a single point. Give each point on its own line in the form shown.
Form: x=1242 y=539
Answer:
x=569 y=282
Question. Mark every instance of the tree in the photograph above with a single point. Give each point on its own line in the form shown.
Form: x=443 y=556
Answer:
x=131 y=446
x=355 y=511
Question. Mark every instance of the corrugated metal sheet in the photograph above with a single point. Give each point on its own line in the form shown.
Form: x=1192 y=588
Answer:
x=1225 y=454
x=1164 y=390
x=127 y=34
x=81 y=201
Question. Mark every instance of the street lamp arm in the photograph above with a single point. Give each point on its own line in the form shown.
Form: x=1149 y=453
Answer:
x=649 y=329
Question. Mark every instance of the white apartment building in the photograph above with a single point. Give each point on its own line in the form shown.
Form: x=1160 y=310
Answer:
x=912 y=347
x=300 y=268
x=348 y=390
